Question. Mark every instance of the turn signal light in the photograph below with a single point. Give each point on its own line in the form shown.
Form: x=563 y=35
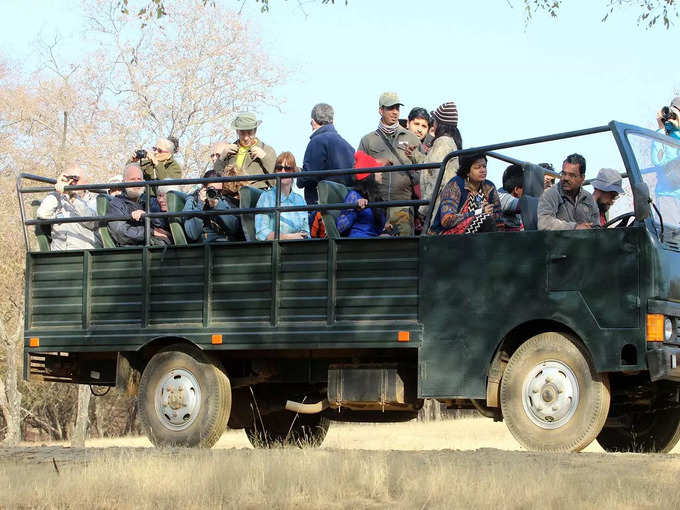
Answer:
x=34 y=341
x=216 y=339
x=403 y=336
x=655 y=327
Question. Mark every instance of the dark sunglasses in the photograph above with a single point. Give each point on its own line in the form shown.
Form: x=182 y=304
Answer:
x=156 y=149
x=285 y=168
x=215 y=155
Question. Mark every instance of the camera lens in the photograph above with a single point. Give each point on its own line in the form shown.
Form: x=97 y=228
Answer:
x=211 y=193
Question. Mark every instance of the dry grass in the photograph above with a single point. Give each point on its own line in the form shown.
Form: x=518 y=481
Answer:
x=360 y=466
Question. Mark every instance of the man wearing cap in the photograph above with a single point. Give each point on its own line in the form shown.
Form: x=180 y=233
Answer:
x=566 y=205
x=248 y=155
x=397 y=145
x=607 y=188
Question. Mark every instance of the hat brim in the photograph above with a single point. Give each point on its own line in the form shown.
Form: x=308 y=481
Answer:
x=608 y=187
x=391 y=104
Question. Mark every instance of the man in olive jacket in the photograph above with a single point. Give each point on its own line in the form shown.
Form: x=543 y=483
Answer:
x=248 y=155
x=393 y=143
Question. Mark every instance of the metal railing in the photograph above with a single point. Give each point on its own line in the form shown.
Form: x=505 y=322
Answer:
x=489 y=150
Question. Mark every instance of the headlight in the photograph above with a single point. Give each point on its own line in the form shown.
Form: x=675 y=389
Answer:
x=667 y=329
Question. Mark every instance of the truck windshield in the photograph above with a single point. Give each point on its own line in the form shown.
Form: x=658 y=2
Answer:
x=659 y=164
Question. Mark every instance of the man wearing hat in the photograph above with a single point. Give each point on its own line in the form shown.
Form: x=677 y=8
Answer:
x=248 y=155
x=397 y=145
x=607 y=188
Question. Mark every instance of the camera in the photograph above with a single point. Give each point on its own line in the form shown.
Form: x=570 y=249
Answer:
x=212 y=193
x=72 y=178
x=667 y=114
x=140 y=154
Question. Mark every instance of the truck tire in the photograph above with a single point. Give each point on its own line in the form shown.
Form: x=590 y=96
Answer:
x=184 y=398
x=284 y=428
x=656 y=432
x=550 y=396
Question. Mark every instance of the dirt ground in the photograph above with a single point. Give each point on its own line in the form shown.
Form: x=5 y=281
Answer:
x=470 y=463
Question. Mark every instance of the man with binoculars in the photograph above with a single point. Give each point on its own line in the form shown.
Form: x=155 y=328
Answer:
x=668 y=120
x=226 y=227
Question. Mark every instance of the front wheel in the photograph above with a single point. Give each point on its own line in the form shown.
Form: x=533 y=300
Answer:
x=284 y=428
x=185 y=398
x=550 y=397
x=654 y=432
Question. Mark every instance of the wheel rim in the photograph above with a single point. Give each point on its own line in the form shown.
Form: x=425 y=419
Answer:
x=178 y=399
x=550 y=394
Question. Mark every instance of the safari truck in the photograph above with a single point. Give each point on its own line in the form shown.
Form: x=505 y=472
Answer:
x=567 y=336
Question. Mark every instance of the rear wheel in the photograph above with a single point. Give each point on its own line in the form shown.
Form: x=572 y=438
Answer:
x=185 y=398
x=654 y=432
x=550 y=397
x=284 y=428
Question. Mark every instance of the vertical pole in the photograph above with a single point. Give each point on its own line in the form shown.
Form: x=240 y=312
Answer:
x=87 y=271
x=146 y=285
x=147 y=220
x=332 y=262
x=207 y=284
x=23 y=214
x=276 y=256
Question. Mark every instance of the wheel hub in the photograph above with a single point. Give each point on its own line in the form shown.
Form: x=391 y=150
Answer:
x=550 y=394
x=178 y=399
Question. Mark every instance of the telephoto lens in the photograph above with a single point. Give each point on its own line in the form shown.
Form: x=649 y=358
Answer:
x=212 y=193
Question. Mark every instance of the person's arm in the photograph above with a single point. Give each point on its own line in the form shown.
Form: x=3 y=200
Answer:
x=82 y=209
x=48 y=207
x=547 y=212
x=494 y=200
x=124 y=233
x=269 y=159
x=263 y=222
x=509 y=204
x=148 y=169
x=310 y=162
x=595 y=212
x=193 y=225
x=347 y=217
x=449 y=205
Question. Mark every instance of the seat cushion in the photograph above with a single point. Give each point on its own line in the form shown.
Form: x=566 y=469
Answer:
x=176 y=201
x=102 y=210
x=249 y=196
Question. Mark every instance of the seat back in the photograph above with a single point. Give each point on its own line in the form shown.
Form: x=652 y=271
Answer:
x=533 y=189
x=248 y=199
x=42 y=232
x=331 y=193
x=102 y=210
x=176 y=201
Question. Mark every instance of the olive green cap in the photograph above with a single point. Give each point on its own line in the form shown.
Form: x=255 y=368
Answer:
x=389 y=99
x=245 y=121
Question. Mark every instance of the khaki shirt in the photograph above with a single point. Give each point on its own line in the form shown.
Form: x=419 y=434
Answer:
x=168 y=169
x=557 y=210
x=395 y=185
x=251 y=166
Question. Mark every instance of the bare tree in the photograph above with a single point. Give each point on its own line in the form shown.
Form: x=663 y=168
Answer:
x=190 y=77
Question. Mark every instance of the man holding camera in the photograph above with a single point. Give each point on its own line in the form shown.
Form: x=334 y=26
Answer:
x=159 y=163
x=248 y=155
x=668 y=120
x=226 y=227
x=71 y=204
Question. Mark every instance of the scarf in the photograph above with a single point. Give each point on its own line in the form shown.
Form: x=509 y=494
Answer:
x=388 y=130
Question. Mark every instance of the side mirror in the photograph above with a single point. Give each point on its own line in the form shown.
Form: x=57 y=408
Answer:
x=641 y=200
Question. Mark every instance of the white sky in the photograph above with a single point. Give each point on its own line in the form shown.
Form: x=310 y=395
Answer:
x=509 y=81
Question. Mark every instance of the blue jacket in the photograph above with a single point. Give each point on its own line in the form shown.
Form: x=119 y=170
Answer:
x=214 y=228
x=359 y=223
x=326 y=150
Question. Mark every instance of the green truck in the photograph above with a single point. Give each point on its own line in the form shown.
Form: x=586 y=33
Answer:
x=567 y=336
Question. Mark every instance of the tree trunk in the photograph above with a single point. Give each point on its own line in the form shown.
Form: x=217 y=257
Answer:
x=10 y=397
x=82 y=417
